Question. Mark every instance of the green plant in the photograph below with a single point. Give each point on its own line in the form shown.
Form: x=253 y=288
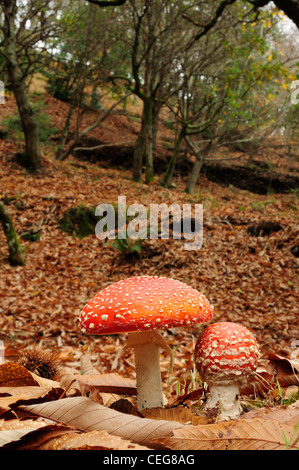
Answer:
x=127 y=245
x=45 y=127
x=294 y=397
x=32 y=235
x=12 y=123
x=288 y=442
x=59 y=85
x=259 y=206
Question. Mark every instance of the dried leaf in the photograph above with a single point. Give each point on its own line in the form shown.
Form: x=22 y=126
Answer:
x=111 y=383
x=250 y=434
x=68 y=381
x=15 y=375
x=284 y=414
x=48 y=395
x=23 y=393
x=55 y=441
x=181 y=414
x=87 y=415
x=125 y=406
x=86 y=366
x=14 y=430
x=9 y=396
x=94 y=440
x=290 y=391
x=46 y=383
x=30 y=437
x=285 y=370
x=261 y=382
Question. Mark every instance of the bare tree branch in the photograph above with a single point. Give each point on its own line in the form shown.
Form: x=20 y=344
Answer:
x=112 y=3
x=96 y=147
x=289 y=7
x=215 y=18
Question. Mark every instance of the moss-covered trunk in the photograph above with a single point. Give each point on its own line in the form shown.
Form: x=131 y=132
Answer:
x=143 y=153
x=15 y=256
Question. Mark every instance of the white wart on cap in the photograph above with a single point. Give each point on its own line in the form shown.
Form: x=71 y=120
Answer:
x=144 y=303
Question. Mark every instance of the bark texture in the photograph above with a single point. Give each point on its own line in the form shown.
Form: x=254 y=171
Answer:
x=31 y=157
x=15 y=256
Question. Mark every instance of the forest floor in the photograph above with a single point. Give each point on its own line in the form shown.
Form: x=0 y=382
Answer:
x=250 y=278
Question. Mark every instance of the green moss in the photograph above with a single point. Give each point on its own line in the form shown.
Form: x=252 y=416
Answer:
x=13 y=126
x=79 y=221
x=15 y=255
x=32 y=235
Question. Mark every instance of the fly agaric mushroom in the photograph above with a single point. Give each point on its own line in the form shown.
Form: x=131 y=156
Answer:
x=225 y=355
x=141 y=306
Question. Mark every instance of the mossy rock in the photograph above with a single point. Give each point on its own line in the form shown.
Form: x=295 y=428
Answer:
x=79 y=221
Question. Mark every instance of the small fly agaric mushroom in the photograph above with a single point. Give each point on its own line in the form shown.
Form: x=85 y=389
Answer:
x=140 y=306
x=225 y=355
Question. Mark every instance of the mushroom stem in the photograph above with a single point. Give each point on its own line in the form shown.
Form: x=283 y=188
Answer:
x=147 y=363
x=227 y=398
x=148 y=376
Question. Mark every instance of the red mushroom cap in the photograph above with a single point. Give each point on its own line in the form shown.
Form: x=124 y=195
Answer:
x=144 y=303
x=225 y=351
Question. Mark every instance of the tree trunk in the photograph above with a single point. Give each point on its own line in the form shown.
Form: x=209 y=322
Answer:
x=15 y=257
x=65 y=133
x=156 y=108
x=32 y=157
x=143 y=152
x=193 y=176
x=200 y=156
x=171 y=166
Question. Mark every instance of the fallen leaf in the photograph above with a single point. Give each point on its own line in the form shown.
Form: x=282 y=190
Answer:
x=14 y=430
x=27 y=436
x=180 y=414
x=68 y=380
x=9 y=396
x=86 y=367
x=125 y=406
x=46 y=383
x=250 y=434
x=284 y=414
x=93 y=440
x=87 y=415
x=285 y=370
x=15 y=375
x=112 y=383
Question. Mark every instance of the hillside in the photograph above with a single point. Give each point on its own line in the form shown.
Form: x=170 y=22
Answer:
x=249 y=276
